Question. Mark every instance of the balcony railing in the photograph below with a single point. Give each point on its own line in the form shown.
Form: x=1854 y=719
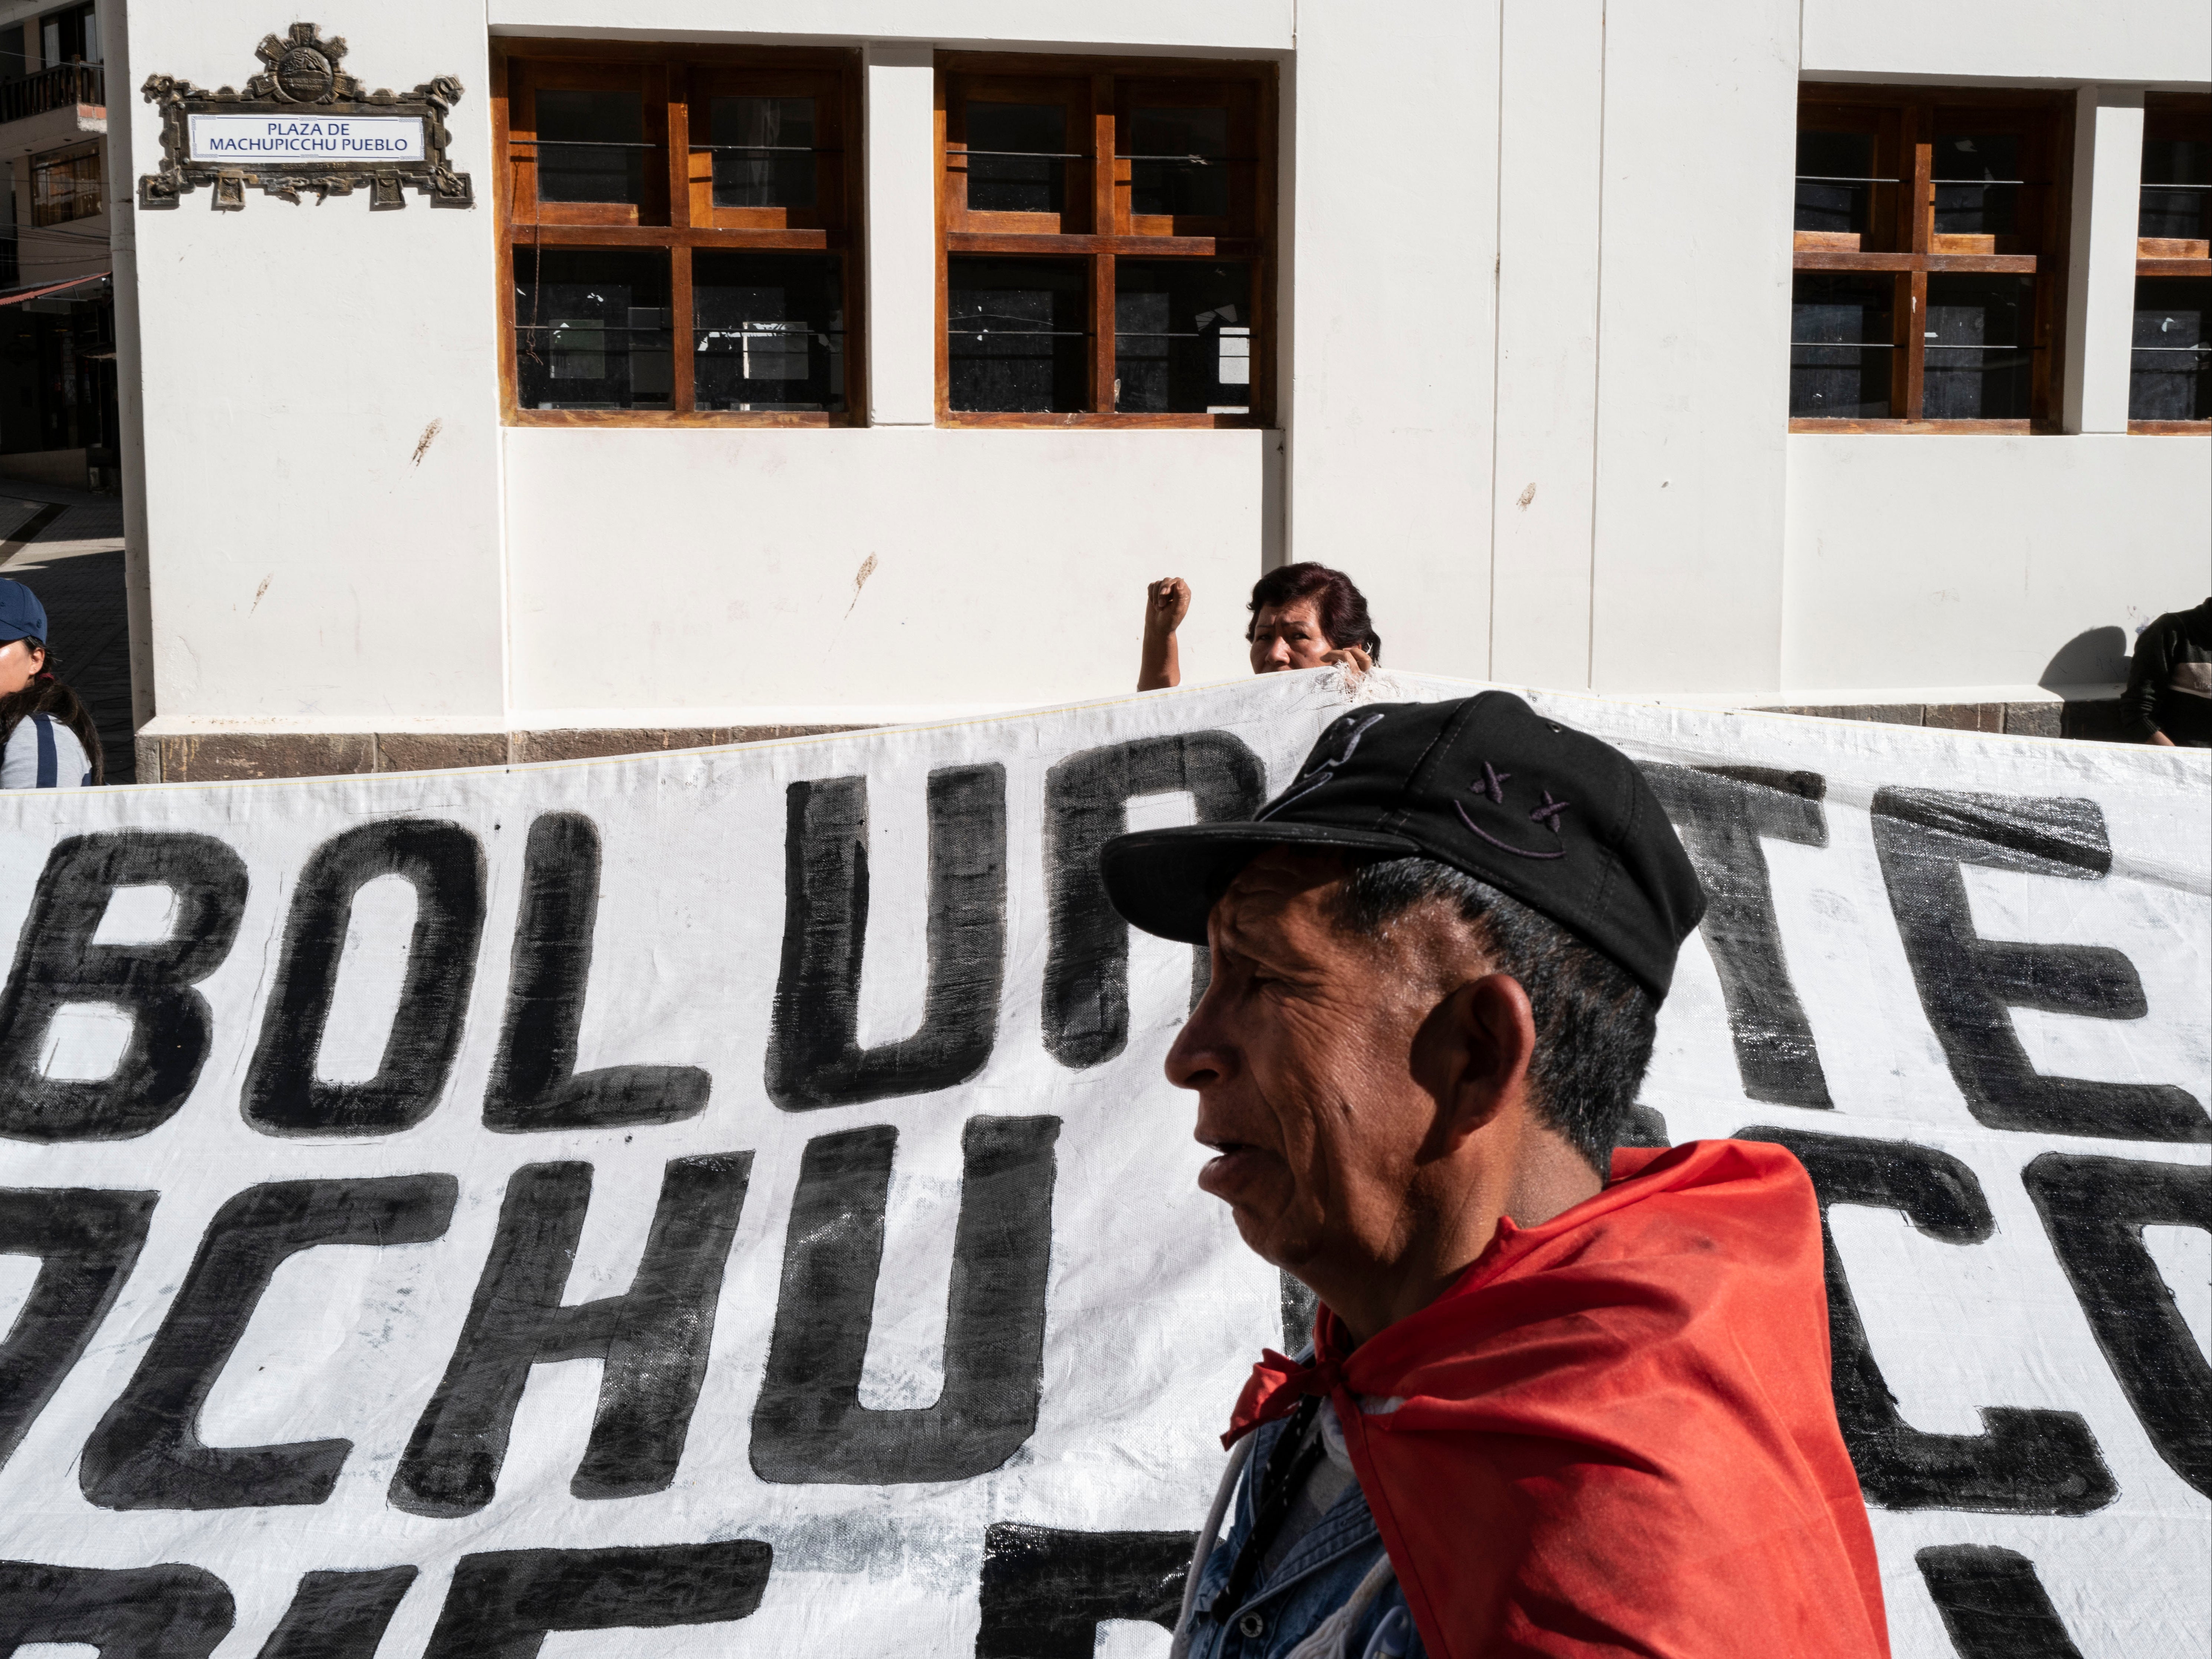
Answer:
x=58 y=87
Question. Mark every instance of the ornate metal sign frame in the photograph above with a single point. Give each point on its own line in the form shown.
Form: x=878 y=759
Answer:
x=301 y=77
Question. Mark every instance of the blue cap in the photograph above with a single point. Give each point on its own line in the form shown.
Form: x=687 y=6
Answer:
x=21 y=616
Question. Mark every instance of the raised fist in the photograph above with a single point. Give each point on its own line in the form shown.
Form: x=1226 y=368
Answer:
x=1167 y=601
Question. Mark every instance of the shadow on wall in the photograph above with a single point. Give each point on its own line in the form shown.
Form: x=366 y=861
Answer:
x=2095 y=656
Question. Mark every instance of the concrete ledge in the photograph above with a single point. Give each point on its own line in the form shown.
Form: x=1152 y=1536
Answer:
x=228 y=757
x=2095 y=719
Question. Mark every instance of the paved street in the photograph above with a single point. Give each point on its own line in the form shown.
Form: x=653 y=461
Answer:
x=66 y=546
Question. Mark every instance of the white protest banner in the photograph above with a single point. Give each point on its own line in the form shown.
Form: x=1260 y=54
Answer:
x=729 y=1202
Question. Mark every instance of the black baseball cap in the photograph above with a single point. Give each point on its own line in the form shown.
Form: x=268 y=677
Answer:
x=1553 y=816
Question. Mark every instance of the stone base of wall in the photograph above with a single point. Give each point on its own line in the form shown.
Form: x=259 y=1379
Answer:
x=2097 y=720
x=225 y=757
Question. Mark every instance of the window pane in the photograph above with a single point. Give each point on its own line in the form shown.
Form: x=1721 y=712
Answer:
x=2179 y=212
x=1015 y=334
x=1841 y=346
x=1978 y=331
x=590 y=146
x=592 y=329
x=1019 y=177
x=1193 y=179
x=1988 y=207
x=763 y=152
x=1832 y=171
x=2171 y=378
x=768 y=331
x=1182 y=337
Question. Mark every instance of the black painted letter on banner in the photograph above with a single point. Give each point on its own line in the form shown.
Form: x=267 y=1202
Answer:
x=1722 y=814
x=338 y=1615
x=2025 y=1461
x=147 y=1453
x=168 y=1612
x=502 y=1605
x=534 y=1083
x=87 y=1239
x=653 y=1338
x=1045 y=1590
x=2095 y=1211
x=446 y=867
x=1968 y=984
x=56 y=964
x=814 y=1052
x=1993 y=1605
x=1086 y=804
x=809 y=1425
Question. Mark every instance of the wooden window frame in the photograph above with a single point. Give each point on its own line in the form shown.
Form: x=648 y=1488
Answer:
x=676 y=77
x=1099 y=196
x=2173 y=115
x=1903 y=119
x=51 y=208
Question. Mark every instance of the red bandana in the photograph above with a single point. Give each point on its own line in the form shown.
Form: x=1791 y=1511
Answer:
x=1614 y=1434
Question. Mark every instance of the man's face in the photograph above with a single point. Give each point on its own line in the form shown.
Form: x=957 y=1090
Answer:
x=1307 y=1056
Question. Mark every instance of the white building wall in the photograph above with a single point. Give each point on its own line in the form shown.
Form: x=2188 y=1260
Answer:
x=1966 y=562
x=1971 y=561
x=1701 y=123
x=1393 y=263
x=312 y=556
x=1594 y=300
x=1005 y=565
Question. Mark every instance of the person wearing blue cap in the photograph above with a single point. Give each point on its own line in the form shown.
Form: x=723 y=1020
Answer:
x=47 y=740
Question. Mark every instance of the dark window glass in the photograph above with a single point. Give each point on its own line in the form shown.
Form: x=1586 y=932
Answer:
x=11 y=52
x=1832 y=171
x=2171 y=376
x=1841 y=346
x=1178 y=161
x=591 y=146
x=1016 y=333
x=1978 y=331
x=768 y=331
x=1977 y=181
x=2185 y=165
x=763 y=152
x=1182 y=337
x=1013 y=157
x=592 y=328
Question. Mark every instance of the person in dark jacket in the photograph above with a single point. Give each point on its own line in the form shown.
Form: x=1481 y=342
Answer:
x=2169 y=695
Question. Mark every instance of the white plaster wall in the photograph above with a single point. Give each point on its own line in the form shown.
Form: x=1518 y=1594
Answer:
x=1970 y=560
x=304 y=561
x=1167 y=25
x=1393 y=258
x=1596 y=304
x=1701 y=123
x=1551 y=165
x=1010 y=565
x=2163 y=42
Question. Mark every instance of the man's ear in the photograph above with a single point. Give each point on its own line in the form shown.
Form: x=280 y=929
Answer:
x=1477 y=1046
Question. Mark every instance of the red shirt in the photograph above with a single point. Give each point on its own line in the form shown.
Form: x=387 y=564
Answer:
x=1614 y=1434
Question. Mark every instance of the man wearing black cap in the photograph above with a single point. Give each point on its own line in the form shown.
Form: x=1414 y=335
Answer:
x=1562 y=1398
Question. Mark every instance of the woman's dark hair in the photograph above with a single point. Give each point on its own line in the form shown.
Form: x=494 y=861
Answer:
x=1342 y=606
x=46 y=695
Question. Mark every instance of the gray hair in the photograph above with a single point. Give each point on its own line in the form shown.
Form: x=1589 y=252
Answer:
x=1594 y=1022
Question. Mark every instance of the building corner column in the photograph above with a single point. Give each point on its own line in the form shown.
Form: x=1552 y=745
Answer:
x=899 y=117
x=119 y=185
x=2108 y=133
